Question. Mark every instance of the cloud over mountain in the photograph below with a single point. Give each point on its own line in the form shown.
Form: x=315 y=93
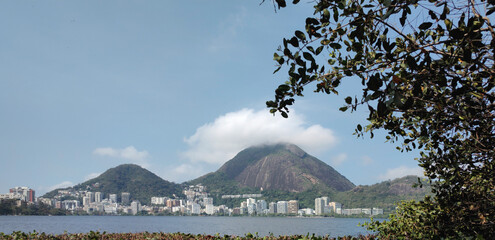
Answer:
x=218 y=141
x=128 y=154
x=401 y=171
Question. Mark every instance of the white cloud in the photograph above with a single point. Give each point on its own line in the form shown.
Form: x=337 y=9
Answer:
x=91 y=176
x=129 y=153
x=401 y=172
x=339 y=159
x=185 y=172
x=366 y=160
x=64 y=184
x=219 y=141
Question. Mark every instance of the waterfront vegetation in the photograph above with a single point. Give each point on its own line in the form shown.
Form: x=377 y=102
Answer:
x=161 y=235
x=427 y=78
x=15 y=207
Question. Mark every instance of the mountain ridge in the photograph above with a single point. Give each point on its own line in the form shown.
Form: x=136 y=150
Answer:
x=249 y=172
x=281 y=166
x=132 y=178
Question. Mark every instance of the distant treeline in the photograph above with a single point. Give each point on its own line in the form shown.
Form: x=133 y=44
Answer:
x=11 y=207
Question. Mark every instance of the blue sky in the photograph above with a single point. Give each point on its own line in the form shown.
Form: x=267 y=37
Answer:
x=177 y=87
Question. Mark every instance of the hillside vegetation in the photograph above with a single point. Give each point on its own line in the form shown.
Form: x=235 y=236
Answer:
x=139 y=182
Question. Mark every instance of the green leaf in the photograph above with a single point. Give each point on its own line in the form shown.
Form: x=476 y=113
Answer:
x=318 y=50
x=326 y=13
x=311 y=49
x=284 y=114
x=425 y=25
x=308 y=56
x=375 y=82
x=348 y=100
x=294 y=42
x=448 y=24
x=325 y=42
x=300 y=35
x=432 y=15
x=311 y=21
x=381 y=109
x=335 y=45
x=281 y=3
x=343 y=109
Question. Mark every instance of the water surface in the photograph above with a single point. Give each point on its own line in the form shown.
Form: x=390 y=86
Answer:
x=238 y=226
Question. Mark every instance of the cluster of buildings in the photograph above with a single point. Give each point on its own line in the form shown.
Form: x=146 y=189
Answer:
x=20 y=193
x=324 y=207
x=93 y=202
x=260 y=207
x=197 y=202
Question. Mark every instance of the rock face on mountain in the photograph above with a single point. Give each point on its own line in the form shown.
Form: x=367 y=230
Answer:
x=139 y=182
x=284 y=167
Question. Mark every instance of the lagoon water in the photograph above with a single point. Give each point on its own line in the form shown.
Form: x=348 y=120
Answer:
x=238 y=226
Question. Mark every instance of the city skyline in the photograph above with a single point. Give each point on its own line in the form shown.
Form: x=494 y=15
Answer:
x=197 y=201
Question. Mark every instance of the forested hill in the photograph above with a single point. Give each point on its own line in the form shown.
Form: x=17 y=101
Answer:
x=284 y=172
x=279 y=172
x=139 y=182
x=277 y=167
x=385 y=194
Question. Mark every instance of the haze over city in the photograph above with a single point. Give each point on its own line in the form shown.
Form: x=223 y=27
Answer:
x=176 y=87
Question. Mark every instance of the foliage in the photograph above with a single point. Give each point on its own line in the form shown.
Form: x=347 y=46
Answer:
x=139 y=182
x=302 y=171
x=427 y=71
x=160 y=235
x=10 y=207
x=383 y=195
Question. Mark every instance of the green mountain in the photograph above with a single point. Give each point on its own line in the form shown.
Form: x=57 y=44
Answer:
x=279 y=172
x=385 y=194
x=139 y=182
x=276 y=170
x=284 y=172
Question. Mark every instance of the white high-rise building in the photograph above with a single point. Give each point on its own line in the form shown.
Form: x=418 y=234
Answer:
x=250 y=201
x=334 y=206
x=195 y=208
x=135 y=207
x=251 y=208
x=282 y=207
x=91 y=196
x=98 y=197
x=272 y=208
x=112 y=198
x=210 y=209
x=325 y=201
x=319 y=206
x=85 y=201
x=261 y=206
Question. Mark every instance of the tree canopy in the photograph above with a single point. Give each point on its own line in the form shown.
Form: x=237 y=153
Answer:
x=427 y=74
